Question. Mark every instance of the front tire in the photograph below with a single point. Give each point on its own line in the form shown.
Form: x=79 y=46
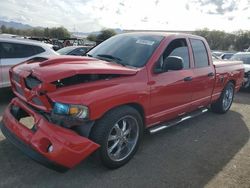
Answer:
x=223 y=104
x=119 y=133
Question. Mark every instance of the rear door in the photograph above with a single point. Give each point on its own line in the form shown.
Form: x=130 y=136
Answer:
x=203 y=74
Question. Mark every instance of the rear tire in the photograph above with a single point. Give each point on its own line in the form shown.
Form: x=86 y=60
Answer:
x=223 y=104
x=119 y=133
x=246 y=85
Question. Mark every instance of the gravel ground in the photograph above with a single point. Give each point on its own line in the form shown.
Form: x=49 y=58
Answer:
x=208 y=151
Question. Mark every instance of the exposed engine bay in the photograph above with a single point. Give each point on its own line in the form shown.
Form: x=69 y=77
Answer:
x=83 y=78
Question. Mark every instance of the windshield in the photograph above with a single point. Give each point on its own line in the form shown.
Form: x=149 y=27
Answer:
x=127 y=49
x=66 y=50
x=241 y=57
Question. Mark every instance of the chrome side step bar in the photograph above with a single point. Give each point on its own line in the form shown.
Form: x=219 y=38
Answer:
x=171 y=123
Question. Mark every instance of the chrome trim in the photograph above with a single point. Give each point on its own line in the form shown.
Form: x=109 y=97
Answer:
x=162 y=126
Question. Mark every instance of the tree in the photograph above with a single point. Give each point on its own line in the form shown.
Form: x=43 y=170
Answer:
x=214 y=38
x=92 y=37
x=10 y=30
x=56 y=32
x=36 y=32
x=46 y=32
x=242 y=40
x=59 y=32
x=3 y=29
x=220 y=40
x=105 y=34
x=229 y=42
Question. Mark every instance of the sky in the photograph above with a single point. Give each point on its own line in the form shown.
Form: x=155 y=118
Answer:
x=93 y=15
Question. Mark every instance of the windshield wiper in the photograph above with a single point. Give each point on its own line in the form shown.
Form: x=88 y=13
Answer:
x=113 y=58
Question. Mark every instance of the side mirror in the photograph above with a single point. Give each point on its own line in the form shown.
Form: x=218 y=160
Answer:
x=172 y=63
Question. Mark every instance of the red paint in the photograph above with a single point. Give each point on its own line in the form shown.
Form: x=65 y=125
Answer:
x=161 y=96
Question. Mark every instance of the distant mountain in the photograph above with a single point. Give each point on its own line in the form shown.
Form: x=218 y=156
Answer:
x=15 y=25
x=18 y=25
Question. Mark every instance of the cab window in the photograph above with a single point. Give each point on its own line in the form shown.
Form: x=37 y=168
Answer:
x=177 y=47
x=200 y=53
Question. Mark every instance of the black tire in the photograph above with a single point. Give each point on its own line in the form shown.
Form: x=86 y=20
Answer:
x=218 y=106
x=101 y=132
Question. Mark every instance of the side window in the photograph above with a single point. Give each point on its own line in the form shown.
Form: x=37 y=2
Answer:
x=200 y=53
x=37 y=49
x=14 y=50
x=178 y=48
x=78 y=51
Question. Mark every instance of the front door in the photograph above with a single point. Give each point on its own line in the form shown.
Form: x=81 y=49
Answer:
x=171 y=92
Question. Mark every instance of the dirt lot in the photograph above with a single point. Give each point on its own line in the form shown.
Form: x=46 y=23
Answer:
x=208 y=151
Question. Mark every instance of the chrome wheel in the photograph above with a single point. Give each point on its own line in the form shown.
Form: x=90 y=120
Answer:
x=228 y=98
x=122 y=138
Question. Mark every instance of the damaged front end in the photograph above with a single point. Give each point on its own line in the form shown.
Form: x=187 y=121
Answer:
x=58 y=134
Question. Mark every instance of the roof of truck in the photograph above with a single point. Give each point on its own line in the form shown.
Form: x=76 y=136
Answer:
x=164 y=34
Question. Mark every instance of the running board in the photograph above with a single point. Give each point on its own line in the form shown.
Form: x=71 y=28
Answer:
x=168 y=124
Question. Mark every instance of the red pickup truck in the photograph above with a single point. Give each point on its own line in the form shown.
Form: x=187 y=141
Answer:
x=104 y=101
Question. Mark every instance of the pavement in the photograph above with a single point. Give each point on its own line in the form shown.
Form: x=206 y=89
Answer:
x=208 y=151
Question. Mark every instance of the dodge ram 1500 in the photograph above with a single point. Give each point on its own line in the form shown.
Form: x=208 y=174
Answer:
x=102 y=102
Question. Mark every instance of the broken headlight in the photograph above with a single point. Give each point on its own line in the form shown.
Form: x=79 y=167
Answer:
x=78 y=111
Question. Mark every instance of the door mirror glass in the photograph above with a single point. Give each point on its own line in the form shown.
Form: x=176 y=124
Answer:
x=172 y=63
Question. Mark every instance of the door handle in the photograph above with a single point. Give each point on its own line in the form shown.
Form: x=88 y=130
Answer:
x=210 y=74
x=189 y=78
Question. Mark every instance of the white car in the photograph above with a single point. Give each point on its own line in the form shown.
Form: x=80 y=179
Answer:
x=245 y=57
x=14 y=51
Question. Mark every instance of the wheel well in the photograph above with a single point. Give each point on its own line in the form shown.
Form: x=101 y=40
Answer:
x=139 y=108
x=136 y=106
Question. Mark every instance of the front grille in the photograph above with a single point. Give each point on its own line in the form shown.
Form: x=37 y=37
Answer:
x=32 y=82
x=27 y=89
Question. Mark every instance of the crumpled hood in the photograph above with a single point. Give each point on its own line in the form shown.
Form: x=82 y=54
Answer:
x=57 y=68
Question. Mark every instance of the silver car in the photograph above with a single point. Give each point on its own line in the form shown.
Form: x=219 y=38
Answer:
x=14 y=51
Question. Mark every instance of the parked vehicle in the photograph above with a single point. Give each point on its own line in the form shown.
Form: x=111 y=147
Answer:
x=103 y=102
x=216 y=58
x=217 y=53
x=74 y=50
x=226 y=55
x=14 y=51
x=76 y=42
x=245 y=57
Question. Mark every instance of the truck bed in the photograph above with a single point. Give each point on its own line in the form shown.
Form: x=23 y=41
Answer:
x=223 y=63
x=226 y=71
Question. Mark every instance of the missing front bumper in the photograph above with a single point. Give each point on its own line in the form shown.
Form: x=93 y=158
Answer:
x=30 y=152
